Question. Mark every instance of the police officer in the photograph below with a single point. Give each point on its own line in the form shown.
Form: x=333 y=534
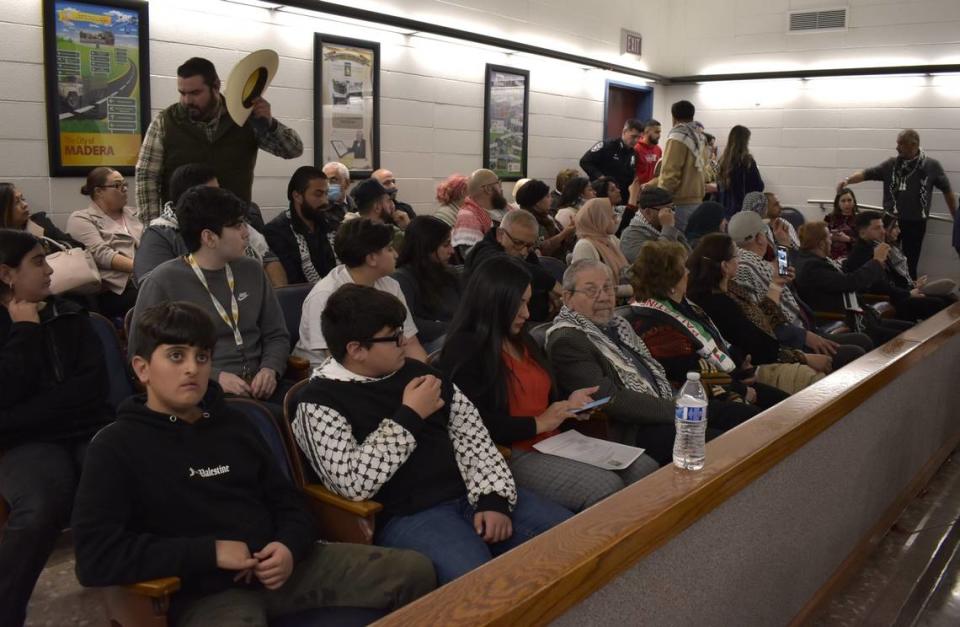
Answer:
x=615 y=158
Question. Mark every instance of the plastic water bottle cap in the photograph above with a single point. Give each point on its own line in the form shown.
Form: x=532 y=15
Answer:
x=693 y=376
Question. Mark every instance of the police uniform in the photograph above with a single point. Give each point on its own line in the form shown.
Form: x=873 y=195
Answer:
x=611 y=158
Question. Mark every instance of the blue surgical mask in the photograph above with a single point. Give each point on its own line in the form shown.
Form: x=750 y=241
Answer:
x=334 y=193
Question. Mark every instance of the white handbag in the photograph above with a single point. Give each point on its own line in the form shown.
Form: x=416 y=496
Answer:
x=74 y=270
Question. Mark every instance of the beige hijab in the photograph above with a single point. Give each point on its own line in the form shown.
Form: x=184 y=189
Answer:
x=593 y=221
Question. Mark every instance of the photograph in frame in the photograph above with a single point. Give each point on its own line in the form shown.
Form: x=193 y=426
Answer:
x=506 y=105
x=347 y=103
x=96 y=64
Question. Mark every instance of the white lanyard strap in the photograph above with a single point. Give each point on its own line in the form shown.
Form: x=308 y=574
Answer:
x=232 y=321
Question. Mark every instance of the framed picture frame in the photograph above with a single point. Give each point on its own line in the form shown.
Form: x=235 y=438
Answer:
x=97 y=75
x=346 y=103
x=506 y=107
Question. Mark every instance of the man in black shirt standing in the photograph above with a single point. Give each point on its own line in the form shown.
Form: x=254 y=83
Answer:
x=908 y=182
x=615 y=158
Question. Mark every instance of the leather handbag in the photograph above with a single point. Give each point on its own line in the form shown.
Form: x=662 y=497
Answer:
x=74 y=270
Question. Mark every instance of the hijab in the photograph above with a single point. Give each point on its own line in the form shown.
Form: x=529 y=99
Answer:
x=593 y=221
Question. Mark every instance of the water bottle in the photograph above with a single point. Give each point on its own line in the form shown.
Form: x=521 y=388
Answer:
x=691 y=423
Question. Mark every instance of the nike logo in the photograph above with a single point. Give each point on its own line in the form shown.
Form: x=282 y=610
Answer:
x=241 y=296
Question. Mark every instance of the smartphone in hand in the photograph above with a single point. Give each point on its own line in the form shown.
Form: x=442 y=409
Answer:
x=600 y=402
x=782 y=263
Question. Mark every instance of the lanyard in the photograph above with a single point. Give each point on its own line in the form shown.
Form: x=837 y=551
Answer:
x=233 y=320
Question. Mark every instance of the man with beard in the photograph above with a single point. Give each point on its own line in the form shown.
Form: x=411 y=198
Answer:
x=198 y=129
x=908 y=182
x=648 y=151
x=389 y=182
x=482 y=209
x=299 y=235
x=615 y=157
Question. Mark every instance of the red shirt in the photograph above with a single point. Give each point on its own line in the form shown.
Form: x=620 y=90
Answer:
x=647 y=157
x=528 y=392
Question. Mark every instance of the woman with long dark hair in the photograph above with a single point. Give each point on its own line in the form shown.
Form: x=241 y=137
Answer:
x=738 y=173
x=842 y=223
x=53 y=398
x=576 y=192
x=15 y=214
x=490 y=356
x=743 y=322
x=430 y=285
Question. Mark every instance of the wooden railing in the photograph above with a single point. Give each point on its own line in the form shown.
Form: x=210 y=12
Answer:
x=547 y=576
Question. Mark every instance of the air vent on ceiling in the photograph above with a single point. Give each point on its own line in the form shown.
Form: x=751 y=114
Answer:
x=806 y=21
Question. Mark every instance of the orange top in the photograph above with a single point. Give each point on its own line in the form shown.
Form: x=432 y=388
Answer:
x=528 y=392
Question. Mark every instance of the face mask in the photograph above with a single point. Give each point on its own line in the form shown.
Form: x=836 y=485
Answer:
x=334 y=194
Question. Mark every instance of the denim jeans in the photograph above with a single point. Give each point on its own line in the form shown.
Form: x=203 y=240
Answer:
x=446 y=535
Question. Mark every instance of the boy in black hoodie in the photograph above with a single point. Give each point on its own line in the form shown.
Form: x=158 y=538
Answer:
x=376 y=425
x=182 y=485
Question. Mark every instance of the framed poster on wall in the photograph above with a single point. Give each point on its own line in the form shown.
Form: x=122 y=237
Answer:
x=347 y=103
x=96 y=66
x=505 y=108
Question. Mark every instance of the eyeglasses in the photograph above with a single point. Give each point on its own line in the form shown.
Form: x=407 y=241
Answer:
x=118 y=186
x=397 y=338
x=592 y=291
x=519 y=243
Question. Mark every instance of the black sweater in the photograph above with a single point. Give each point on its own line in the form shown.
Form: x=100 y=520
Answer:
x=157 y=492
x=283 y=242
x=53 y=382
x=737 y=328
x=822 y=285
x=364 y=443
x=542 y=281
x=862 y=254
x=431 y=322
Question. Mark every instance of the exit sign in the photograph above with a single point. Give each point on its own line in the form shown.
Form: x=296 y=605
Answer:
x=630 y=42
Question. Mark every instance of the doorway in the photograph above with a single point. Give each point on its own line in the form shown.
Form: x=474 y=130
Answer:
x=622 y=102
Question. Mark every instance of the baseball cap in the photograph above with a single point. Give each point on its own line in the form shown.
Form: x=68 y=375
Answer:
x=744 y=225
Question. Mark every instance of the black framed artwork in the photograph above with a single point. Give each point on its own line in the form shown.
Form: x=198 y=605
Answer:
x=506 y=105
x=97 y=74
x=347 y=103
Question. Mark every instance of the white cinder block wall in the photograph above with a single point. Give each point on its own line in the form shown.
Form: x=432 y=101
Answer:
x=806 y=134
x=431 y=89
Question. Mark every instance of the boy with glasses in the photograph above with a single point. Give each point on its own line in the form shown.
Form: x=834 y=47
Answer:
x=376 y=425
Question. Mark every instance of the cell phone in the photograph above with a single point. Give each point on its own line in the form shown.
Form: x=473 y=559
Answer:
x=782 y=263
x=600 y=402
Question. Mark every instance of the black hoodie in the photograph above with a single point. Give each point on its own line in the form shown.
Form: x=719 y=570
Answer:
x=156 y=492
x=53 y=381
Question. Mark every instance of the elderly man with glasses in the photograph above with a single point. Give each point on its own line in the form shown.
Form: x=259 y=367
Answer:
x=589 y=345
x=518 y=236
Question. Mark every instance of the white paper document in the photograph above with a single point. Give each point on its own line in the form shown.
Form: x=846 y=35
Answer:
x=600 y=453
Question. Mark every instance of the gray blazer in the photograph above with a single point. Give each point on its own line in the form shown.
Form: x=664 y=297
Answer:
x=104 y=238
x=578 y=364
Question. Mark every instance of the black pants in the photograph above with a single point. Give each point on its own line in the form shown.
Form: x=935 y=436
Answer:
x=117 y=305
x=911 y=241
x=920 y=307
x=38 y=482
x=657 y=440
x=852 y=345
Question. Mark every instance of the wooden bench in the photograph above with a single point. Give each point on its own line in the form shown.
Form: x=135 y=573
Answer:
x=787 y=507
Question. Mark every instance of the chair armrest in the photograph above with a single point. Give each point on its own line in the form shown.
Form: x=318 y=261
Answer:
x=873 y=298
x=715 y=378
x=829 y=315
x=340 y=519
x=320 y=494
x=885 y=309
x=297 y=368
x=155 y=588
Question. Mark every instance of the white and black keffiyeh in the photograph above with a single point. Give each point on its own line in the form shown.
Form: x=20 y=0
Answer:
x=686 y=133
x=622 y=363
x=306 y=263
